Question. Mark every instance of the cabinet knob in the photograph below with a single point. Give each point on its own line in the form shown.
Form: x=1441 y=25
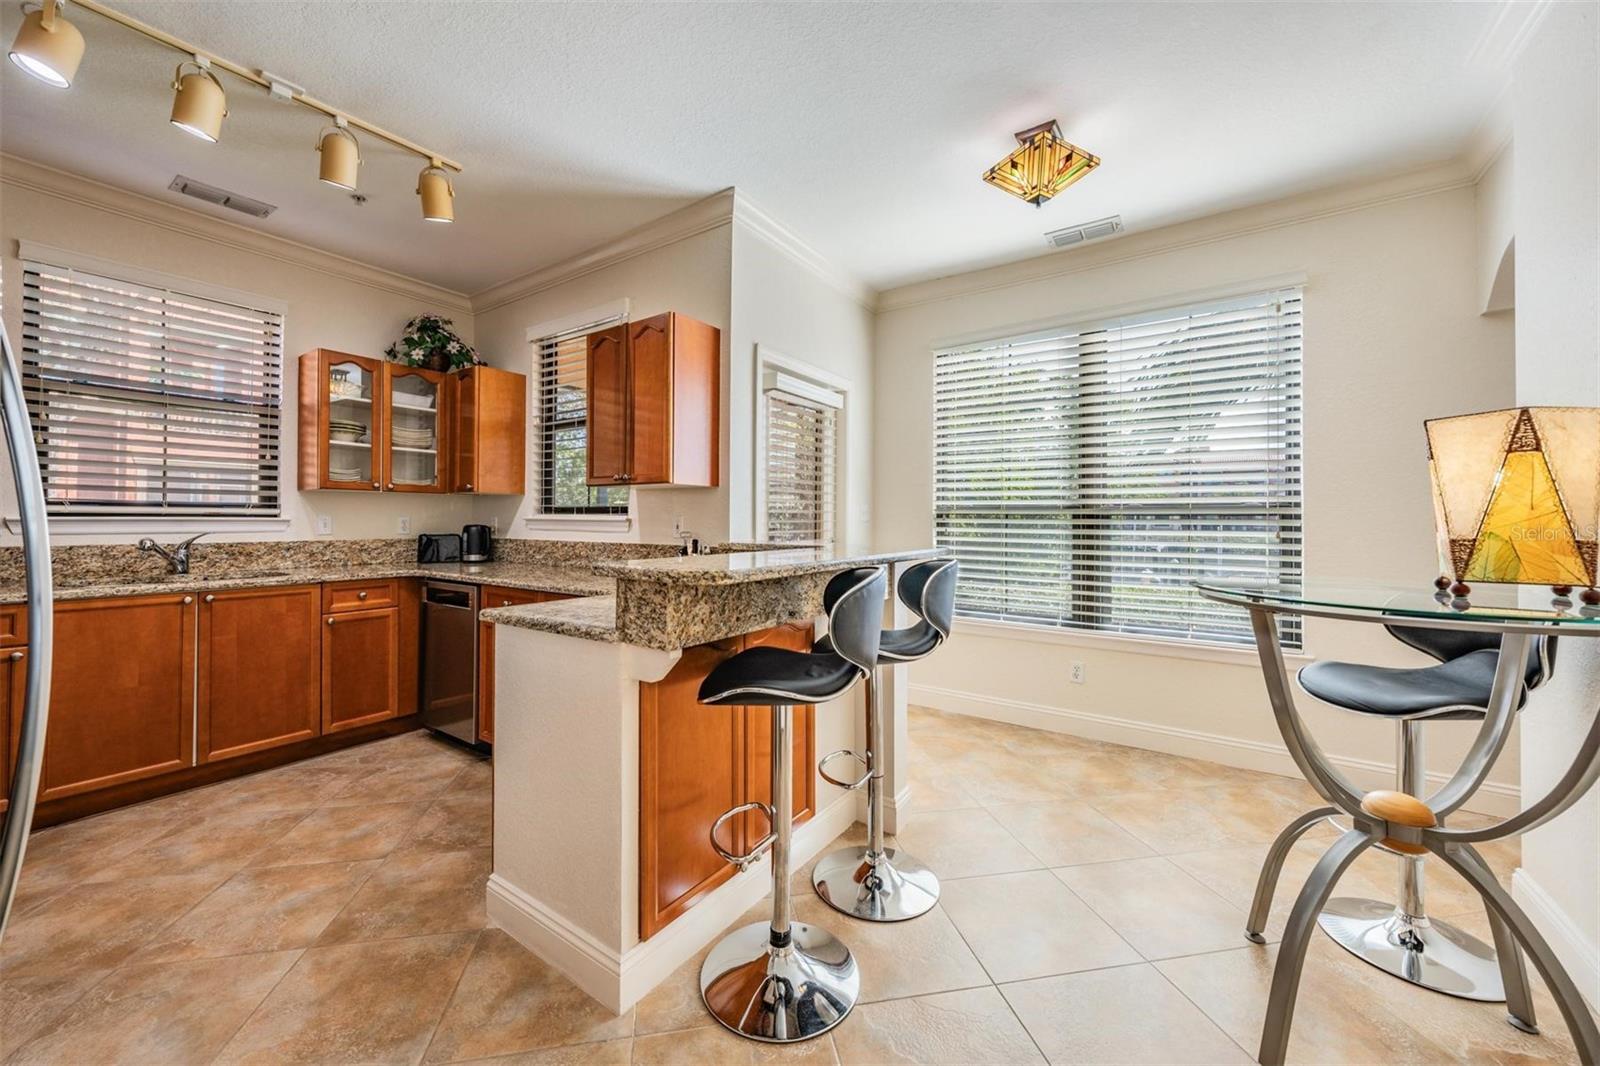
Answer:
x=361 y=595
x=15 y=656
x=330 y=621
x=210 y=598
x=505 y=603
x=376 y=485
x=469 y=487
x=188 y=599
x=391 y=485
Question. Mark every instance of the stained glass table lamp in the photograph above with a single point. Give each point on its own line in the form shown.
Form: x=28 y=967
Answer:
x=1516 y=498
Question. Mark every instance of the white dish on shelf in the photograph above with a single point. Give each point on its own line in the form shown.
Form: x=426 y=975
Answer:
x=412 y=401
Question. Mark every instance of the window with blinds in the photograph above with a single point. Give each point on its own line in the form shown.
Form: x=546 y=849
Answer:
x=561 y=417
x=147 y=401
x=1087 y=476
x=801 y=456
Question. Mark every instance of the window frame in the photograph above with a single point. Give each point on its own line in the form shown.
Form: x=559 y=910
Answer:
x=811 y=382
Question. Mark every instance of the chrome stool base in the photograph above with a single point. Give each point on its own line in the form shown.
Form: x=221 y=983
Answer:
x=780 y=995
x=893 y=889
x=1423 y=951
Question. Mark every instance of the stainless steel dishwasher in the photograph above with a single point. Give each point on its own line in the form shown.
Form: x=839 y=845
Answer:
x=450 y=659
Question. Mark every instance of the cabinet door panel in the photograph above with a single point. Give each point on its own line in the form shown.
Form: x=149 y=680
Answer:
x=360 y=668
x=607 y=400
x=341 y=421
x=501 y=458
x=13 y=625
x=260 y=669
x=650 y=393
x=691 y=769
x=13 y=679
x=758 y=748
x=464 y=431
x=415 y=430
x=121 y=692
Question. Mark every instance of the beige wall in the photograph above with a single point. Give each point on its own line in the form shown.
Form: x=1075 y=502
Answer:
x=332 y=303
x=1393 y=335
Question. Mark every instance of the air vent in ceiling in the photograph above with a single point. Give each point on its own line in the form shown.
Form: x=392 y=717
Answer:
x=1084 y=231
x=221 y=197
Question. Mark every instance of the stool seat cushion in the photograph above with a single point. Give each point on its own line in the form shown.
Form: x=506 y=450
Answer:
x=768 y=677
x=1457 y=689
x=897 y=645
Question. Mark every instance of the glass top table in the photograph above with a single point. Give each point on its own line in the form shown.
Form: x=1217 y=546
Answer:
x=1495 y=608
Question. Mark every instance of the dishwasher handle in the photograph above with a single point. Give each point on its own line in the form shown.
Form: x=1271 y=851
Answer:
x=444 y=596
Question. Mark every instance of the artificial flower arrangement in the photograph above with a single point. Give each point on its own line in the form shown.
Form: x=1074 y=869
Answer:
x=430 y=341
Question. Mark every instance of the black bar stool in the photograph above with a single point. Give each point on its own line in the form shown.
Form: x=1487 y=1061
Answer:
x=783 y=981
x=876 y=883
x=1399 y=937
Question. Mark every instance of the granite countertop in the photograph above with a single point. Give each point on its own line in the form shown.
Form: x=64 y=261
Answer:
x=739 y=567
x=588 y=618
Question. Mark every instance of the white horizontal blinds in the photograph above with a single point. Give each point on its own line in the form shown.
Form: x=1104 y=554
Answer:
x=1088 y=476
x=148 y=401
x=561 y=426
x=801 y=446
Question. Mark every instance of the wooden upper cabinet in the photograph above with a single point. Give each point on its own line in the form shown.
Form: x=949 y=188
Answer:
x=653 y=395
x=342 y=403
x=416 y=420
x=259 y=693
x=490 y=431
x=121 y=692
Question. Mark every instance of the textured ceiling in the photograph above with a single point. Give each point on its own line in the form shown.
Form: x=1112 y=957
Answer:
x=864 y=126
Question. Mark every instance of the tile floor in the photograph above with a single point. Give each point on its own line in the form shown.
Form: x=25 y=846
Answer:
x=332 y=911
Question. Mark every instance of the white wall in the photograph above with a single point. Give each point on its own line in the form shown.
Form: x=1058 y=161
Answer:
x=332 y=303
x=1393 y=335
x=1496 y=229
x=1556 y=217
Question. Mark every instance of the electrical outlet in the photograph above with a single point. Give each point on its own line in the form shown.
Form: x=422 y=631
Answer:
x=494 y=525
x=1077 y=674
x=324 y=523
x=405 y=523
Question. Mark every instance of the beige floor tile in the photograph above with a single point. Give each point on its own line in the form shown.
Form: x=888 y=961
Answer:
x=714 y=1044
x=971 y=1026
x=205 y=843
x=603 y=1053
x=30 y=1005
x=1130 y=1014
x=1232 y=874
x=476 y=777
x=261 y=909
x=1216 y=816
x=1031 y=925
x=65 y=855
x=416 y=893
x=96 y=926
x=1068 y=833
x=294 y=787
x=343 y=834
x=345 y=1003
x=409 y=781
x=965 y=843
x=167 y=1013
x=897 y=959
x=456 y=820
x=1156 y=907
x=510 y=1001
x=935 y=790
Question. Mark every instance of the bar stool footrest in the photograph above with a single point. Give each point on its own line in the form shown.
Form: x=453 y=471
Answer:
x=762 y=846
x=859 y=782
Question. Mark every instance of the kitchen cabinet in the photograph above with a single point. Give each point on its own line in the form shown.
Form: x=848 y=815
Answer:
x=695 y=762
x=416 y=429
x=497 y=596
x=13 y=680
x=259 y=670
x=652 y=402
x=360 y=668
x=121 y=692
x=489 y=430
x=342 y=403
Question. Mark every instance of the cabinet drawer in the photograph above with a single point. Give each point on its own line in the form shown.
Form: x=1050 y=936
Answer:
x=359 y=595
x=501 y=596
x=13 y=625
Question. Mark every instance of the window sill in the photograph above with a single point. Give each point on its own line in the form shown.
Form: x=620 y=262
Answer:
x=1241 y=655
x=579 y=523
x=132 y=524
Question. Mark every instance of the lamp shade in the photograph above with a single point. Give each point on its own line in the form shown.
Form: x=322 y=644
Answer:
x=341 y=158
x=433 y=185
x=1042 y=167
x=50 y=53
x=1517 y=495
x=199 y=105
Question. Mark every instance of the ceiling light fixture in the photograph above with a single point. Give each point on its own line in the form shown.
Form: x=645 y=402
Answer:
x=341 y=156
x=1043 y=165
x=47 y=46
x=198 y=104
x=433 y=185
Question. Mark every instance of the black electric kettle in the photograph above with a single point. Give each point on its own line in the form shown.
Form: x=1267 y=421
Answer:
x=477 y=544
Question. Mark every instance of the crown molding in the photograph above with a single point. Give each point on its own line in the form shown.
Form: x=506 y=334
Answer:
x=1503 y=40
x=1208 y=229
x=769 y=229
x=20 y=173
x=702 y=216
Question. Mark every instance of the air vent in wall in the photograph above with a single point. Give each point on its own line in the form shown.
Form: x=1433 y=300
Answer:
x=221 y=197
x=1084 y=231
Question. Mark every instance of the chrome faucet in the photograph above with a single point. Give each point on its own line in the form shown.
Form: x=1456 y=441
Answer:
x=177 y=557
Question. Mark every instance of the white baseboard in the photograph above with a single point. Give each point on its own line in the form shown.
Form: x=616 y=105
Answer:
x=1494 y=798
x=618 y=980
x=1572 y=947
x=897 y=805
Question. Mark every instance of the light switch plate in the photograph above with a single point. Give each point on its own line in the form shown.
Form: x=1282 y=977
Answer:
x=324 y=523
x=405 y=523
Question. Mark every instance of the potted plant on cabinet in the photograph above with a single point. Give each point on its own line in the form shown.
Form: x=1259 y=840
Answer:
x=430 y=341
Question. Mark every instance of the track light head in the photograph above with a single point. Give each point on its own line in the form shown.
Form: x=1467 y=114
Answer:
x=198 y=105
x=48 y=47
x=438 y=197
x=341 y=157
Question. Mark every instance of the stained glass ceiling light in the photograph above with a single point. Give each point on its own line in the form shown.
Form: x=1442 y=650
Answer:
x=1043 y=165
x=1517 y=498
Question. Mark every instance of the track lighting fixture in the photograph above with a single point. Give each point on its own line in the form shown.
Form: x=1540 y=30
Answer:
x=433 y=185
x=199 y=104
x=47 y=46
x=341 y=156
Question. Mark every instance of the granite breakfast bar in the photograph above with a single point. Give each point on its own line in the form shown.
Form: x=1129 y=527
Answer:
x=608 y=773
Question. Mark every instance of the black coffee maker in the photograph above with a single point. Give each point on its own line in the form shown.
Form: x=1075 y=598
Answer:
x=477 y=544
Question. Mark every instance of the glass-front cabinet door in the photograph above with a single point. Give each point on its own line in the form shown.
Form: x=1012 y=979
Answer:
x=414 y=446
x=353 y=431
